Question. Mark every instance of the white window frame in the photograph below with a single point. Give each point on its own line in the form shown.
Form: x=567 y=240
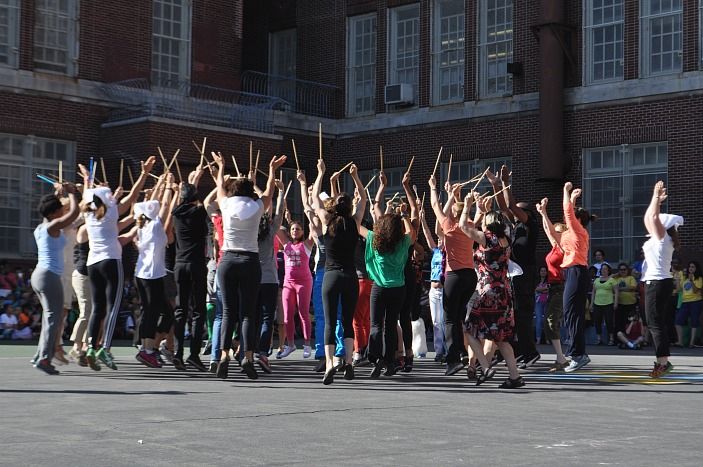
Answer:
x=29 y=158
x=282 y=63
x=588 y=47
x=455 y=47
x=630 y=202
x=354 y=68
x=392 y=48
x=12 y=8
x=70 y=66
x=646 y=20
x=700 y=35
x=467 y=169
x=484 y=43
x=158 y=79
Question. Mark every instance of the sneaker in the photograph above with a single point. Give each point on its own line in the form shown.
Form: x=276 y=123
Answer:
x=320 y=367
x=106 y=357
x=630 y=345
x=34 y=359
x=391 y=368
x=46 y=367
x=408 y=367
x=306 y=351
x=529 y=360
x=223 y=368
x=660 y=370
x=338 y=363
x=82 y=360
x=148 y=359
x=611 y=343
x=60 y=358
x=178 y=364
x=165 y=353
x=471 y=373
x=74 y=354
x=280 y=353
x=249 y=369
x=264 y=364
x=207 y=350
x=349 y=372
x=92 y=357
x=376 y=372
x=195 y=361
x=438 y=358
x=578 y=363
x=287 y=350
x=453 y=368
x=213 y=367
x=556 y=366
x=399 y=364
x=329 y=377
x=513 y=383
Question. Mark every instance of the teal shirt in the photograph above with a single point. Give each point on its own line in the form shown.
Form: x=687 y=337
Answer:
x=387 y=270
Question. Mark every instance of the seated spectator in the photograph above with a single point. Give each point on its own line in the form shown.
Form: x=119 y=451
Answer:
x=599 y=257
x=8 y=323
x=632 y=337
x=24 y=330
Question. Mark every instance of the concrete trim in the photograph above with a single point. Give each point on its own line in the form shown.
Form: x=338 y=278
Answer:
x=196 y=125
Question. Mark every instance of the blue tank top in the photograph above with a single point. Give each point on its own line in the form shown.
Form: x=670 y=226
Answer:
x=49 y=249
x=436 y=265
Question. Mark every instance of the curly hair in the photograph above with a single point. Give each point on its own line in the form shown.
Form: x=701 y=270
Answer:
x=264 y=226
x=387 y=233
x=48 y=205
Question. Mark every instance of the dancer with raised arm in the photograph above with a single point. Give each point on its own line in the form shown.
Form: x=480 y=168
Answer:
x=437 y=285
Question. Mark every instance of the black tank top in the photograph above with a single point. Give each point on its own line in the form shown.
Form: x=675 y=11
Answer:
x=80 y=257
x=340 y=248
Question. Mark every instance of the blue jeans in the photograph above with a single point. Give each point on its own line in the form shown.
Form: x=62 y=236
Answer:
x=320 y=319
x=217 y=328
x=540 y=311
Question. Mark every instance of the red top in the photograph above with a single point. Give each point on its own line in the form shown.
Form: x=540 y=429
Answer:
x=458 y=246
x=575 y=240
x=219 y=233
x=554 y=259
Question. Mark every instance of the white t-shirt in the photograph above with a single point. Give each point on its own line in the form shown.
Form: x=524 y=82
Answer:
x=240 y=223
x=8 y=321
x=657 y=259
x=151 y=241
x=102 y=235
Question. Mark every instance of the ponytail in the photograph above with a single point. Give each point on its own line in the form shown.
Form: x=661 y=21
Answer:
x=674 y=234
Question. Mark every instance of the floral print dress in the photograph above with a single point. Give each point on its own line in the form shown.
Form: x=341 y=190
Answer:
x=491 y=316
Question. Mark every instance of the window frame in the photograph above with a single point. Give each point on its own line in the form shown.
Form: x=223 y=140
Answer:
x=645 y=55
x=13 y=33
x=482 y=55
x=392 y=52
x=72 y=42
x=351 y=51
x=588 y=29
x=437 y=54
x=184 y=48
x=475 y=167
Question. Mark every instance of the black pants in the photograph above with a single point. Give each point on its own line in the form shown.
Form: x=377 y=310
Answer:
x=191 y=282
x=524 y=290
x=166 y=316
x=620 y=317
x=656 y=299
x=576 y=280
x=339 y=286
x=268 y=300
x=407 y=308
x=458 y=288
x=153 y=298
x=106 y=290
x=600 y=313
x=239 y=276
x=386 y=303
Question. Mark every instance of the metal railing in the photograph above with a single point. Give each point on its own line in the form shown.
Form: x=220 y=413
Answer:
x=193 y=103
x=294 y=95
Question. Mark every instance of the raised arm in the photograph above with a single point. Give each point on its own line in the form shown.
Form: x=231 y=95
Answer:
x=172 y=205
x=412 y=202
x=275 y=163
x=568 y=202
x=133 y=195
x=652 y=223
x=497 y=185
x=467 y=225
x=516 y=211
x=164 y=211
x=334 y=180
x=320 y=211
x=426 y=231
x=434 y=201
x=553 y=236
x=361 y=207
x=55 y=226
x=220 y=177
x=280 y=207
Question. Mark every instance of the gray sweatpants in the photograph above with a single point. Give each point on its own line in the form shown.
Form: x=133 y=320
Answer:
x=49 y=289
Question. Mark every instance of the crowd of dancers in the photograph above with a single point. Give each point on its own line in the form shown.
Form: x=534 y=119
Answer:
x=218 y=255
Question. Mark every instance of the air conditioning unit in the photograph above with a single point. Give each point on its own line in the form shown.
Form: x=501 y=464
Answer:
x=400 y=94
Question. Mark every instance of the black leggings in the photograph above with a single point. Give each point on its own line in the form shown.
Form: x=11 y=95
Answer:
x=524 y=290
x=268 y=300
x=406 y=310
x=600 y=313
x=656 y=300
x=458 y=287
x=386 y=303
x=239 y=276
x=576 y=280
x=153 y=298
x=339 y=285
x=191 y=282
x=106 y=279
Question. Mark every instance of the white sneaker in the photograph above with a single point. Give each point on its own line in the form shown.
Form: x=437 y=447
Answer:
x=287 y=350
x=306 y=351
x=165 y=353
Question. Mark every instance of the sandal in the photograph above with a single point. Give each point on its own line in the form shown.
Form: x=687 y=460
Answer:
x=513 y=383
x=223 y=368
x=471 y=373
x=484 y=375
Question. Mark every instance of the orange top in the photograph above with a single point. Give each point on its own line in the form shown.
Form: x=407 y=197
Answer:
x=575 y=240
x=459 y=247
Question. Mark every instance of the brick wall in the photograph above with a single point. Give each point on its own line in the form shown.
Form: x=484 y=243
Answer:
x=217 y=42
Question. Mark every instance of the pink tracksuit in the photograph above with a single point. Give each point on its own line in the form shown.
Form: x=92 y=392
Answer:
x=297 y=289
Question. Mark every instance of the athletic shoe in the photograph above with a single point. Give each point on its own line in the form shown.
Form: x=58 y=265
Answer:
x=361 y=361
x=630 y=345
x=106 y=357
x=195 y=361
x=207 y=350
x=391 y=369
x=249 y=369
x=529 y=360
x=46 y=367
x=471 y=373
x=264 y=364
x=376 y=372
x=578 y=363
x=223 y=369
x=92 y=358
x=34 y=359
x=165 y=353
x=74 y=354
x=453 y=368
x=320 y=367
x=148 y=359
x=329 y=377
x=439 y=358
x=279 y=353
x=513 y=383
x=408 y=367
x=660 y=370
x=338 y=363
x=82 y=360
x=306 y=351
x=178 y=364
x=61 y=358
x=556 y=366
x=213 y=367
x=348 y=372
x=287 y=350
x=399 y=365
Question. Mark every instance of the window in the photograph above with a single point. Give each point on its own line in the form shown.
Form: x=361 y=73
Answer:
x=661 y=38
x=466 y=170
x=495 y=47
x=603 y=21
x=617 y=184
x=170 y=48
x=282 y=63
x=361 y=63
x=448 y=51
x=393 y=175
x=21 y=158
x=56 y=36
x=404 y=45
x=700 y=33
x=9 y=32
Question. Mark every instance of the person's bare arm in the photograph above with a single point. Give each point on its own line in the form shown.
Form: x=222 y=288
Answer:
x=274 y=165
x=280 y=207
x=497 y=185
x=133 y=195
x=361 y=208
x=169 y=218
x=434 y=201
x=552 y=235
x=128 y=237
x=54 y=227
x=467 y=226
x=124 y=223
x=426 y=231
x=320 y=211
x=382 y=182
x=652 y=223
x=412 y=203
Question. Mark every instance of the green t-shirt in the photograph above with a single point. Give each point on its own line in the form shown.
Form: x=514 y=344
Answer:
x=626 y=298
x=604 y=294
x=387 y=270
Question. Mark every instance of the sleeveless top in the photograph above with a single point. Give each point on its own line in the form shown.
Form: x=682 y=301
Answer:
x=436 y=265
x=49 y=249
x=297 y=261
x=151 y=241
x=80 y=258
x=320 y=255
x=657 y=258
x=102 y=235
x=340 y=248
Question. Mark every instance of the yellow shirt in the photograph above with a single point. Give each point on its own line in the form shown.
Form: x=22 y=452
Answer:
x=688 y=294
x=625 y=297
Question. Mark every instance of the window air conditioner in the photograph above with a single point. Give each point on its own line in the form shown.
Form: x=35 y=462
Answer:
x=399 y=94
